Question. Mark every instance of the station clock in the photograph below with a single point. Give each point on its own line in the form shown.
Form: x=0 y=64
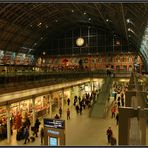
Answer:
x=80 y=41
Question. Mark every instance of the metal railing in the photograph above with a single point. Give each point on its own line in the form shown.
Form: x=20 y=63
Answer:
x=102 y=98
x=136 y=123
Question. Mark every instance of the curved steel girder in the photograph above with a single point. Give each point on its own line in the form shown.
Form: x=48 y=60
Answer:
x=42 y=7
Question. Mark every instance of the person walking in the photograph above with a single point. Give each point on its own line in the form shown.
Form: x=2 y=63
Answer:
x=26 y=135
x=28 y=122
x=68 y=101
x=56 y=116
x=117 y=118
x=122 y=101
x=68 y=114
x=118 y=104
x=77 y=109
x=42 y=135
x=36 y=127
x=113 y=140
x=75 y=100
x=113 y=111
x=60 y=112
x=109 y=134
x=80 y=110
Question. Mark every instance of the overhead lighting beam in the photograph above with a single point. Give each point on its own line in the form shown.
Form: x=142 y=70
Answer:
x=102 y=16
x=123 y=16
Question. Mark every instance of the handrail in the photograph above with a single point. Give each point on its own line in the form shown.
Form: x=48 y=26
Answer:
x=102 y=98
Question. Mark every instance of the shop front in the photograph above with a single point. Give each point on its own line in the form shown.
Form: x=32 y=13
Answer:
x=41 y=106
x=3 y=123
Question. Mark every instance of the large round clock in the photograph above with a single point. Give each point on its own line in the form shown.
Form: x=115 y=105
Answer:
x=79 y=41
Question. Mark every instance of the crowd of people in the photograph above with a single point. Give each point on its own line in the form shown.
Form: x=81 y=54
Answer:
x=80 y=104
x=67 y=68
x=119 y=90
x=27 y=133
x=23 y=133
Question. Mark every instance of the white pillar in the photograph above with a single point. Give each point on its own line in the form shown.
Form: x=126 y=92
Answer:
x=33 y=110
x=79 y=89
x=50 y=105
x=19 y=106
x=92 y=85
x=8 y=124
x=62 y=99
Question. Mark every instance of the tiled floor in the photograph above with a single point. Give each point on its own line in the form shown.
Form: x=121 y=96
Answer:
x=80 y=131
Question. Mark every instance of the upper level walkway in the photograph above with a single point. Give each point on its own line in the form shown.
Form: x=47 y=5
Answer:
x=10 y=82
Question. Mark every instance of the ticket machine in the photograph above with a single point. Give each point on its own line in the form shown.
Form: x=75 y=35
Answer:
x=54 y=130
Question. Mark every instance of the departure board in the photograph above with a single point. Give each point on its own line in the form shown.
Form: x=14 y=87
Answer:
x=54 y=123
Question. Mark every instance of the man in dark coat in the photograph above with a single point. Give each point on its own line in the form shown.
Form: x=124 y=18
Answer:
x=109 y=134
x=26 y=135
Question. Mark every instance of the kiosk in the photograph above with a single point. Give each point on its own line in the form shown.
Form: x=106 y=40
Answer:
x=54 y=130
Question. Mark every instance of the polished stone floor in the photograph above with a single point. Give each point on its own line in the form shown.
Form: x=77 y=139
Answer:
x=80 y=130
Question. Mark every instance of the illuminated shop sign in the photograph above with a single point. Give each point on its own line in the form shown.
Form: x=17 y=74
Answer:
x=52 y=123
x=53 y=132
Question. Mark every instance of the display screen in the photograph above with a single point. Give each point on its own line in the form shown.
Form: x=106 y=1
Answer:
x=54 y=123
x=53 y=141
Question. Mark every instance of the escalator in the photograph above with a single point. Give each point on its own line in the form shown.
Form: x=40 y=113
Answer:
x=99 y=107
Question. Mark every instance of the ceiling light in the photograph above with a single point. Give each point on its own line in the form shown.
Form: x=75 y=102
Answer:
x=39 y=24
x=72 y=11
x=46 y=26
x=107 y=20
x=129 y=35
x=30 y=25
x=56 y=21
x=84 y=13
x=128 y=20
x=129 y=29
x=35 y=44
x=44 y=53
x=89 y=19
x=117 y=42
x=41 y=38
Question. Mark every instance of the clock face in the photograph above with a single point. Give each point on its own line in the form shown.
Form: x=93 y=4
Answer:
x=80 y=41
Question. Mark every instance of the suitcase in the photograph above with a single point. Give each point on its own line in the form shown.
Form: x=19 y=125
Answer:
x=32 y=138
x=18 y=136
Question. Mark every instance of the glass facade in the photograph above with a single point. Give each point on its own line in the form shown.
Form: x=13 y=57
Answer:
x=96 y=40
